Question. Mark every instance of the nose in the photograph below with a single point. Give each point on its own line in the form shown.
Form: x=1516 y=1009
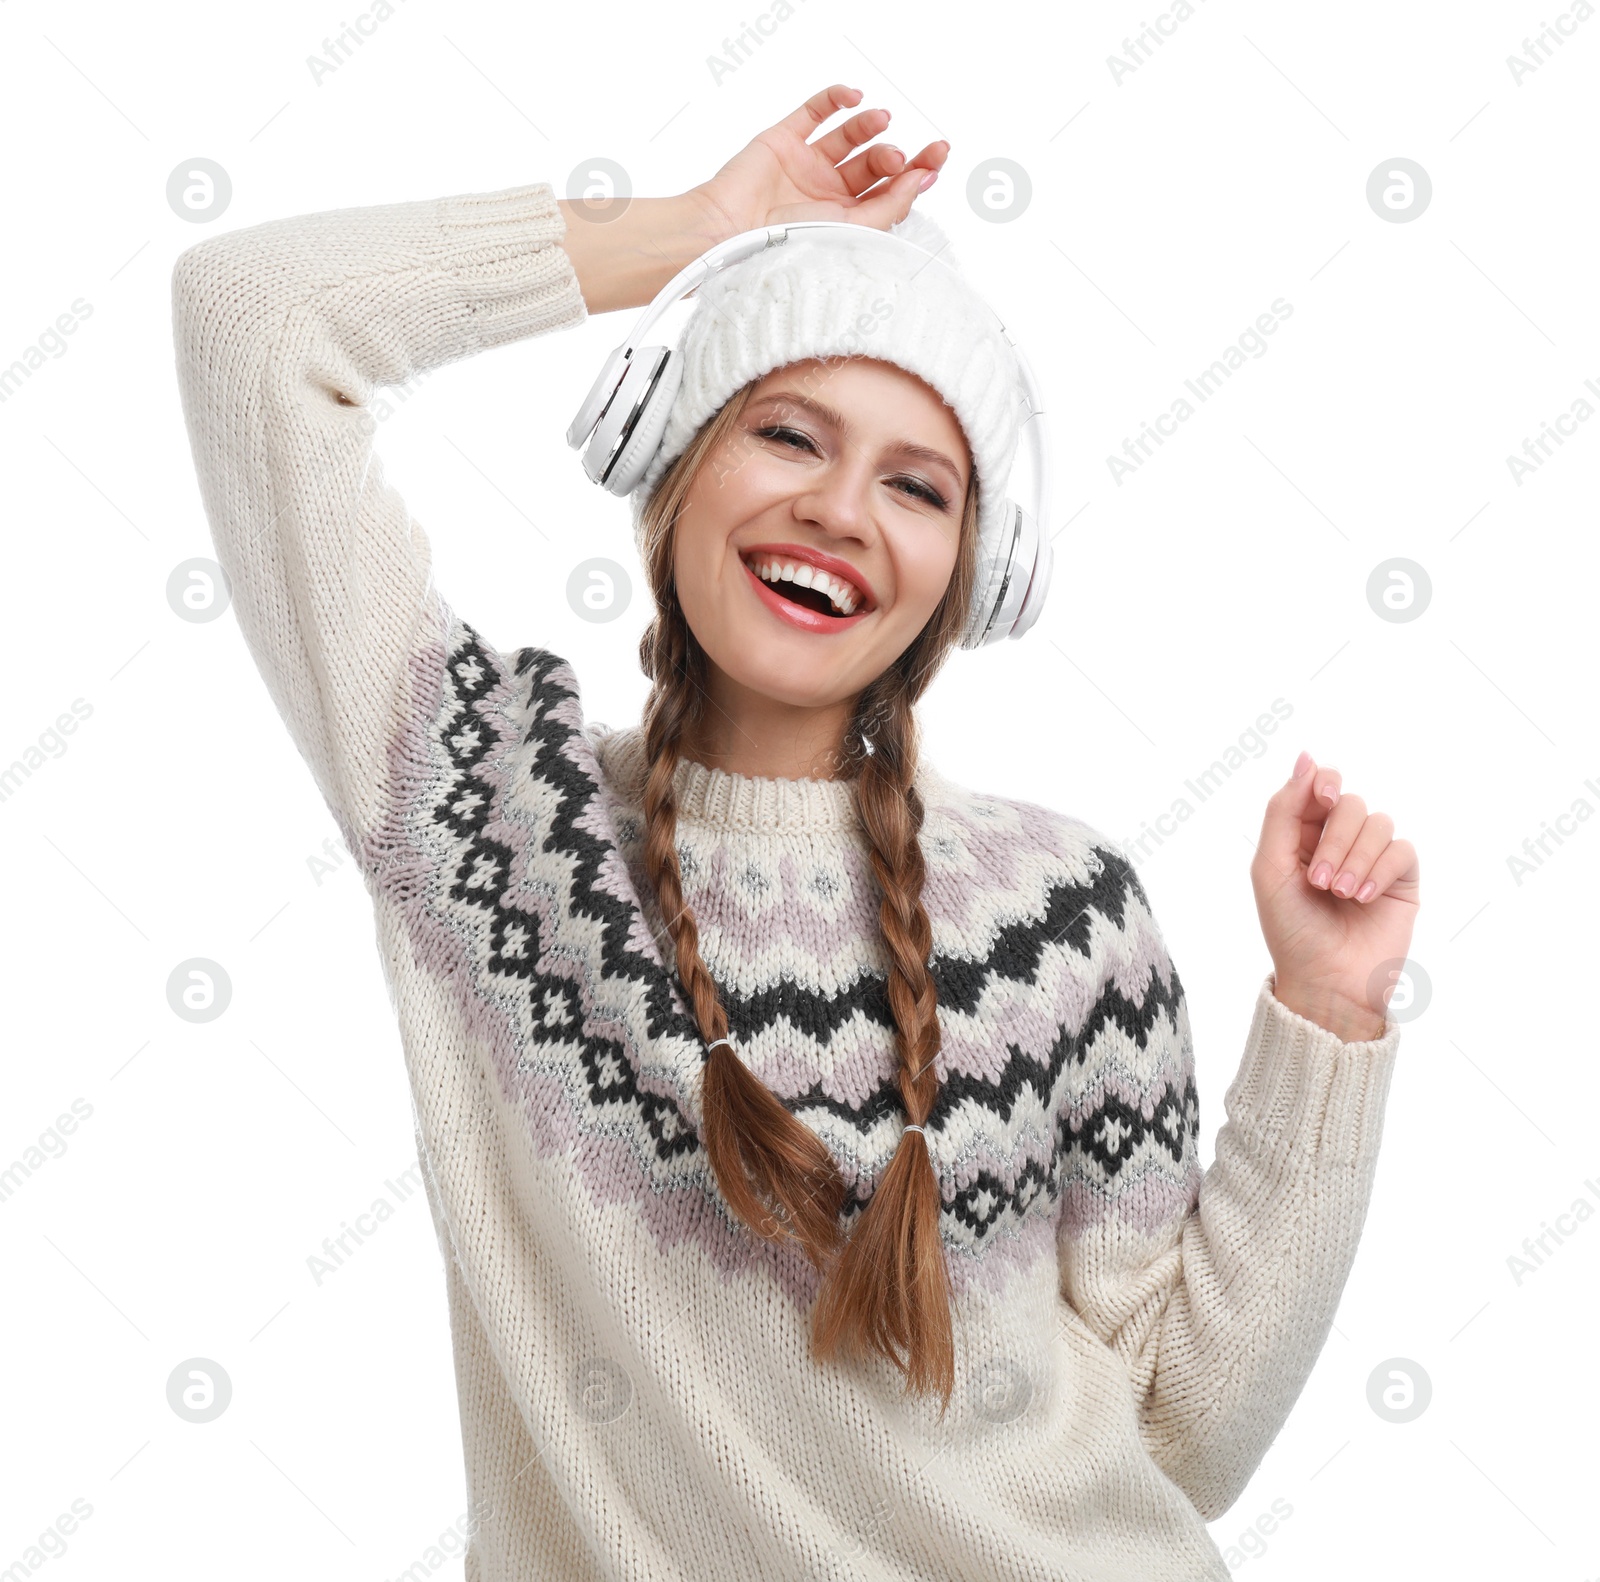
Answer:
x=838 y=498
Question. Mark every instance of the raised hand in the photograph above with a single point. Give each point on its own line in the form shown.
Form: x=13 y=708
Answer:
x=780 y=176
x=1337 y=896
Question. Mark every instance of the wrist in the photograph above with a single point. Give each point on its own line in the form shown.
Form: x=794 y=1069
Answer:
x=1348 y=1020
x=625 y=250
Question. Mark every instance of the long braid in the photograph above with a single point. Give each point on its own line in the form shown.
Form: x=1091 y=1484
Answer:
x=892 y=1268
x=756 y=1147
x=885 y=1288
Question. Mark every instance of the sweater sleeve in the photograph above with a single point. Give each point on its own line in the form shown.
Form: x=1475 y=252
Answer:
x=285 y=333
x=1216 y=1290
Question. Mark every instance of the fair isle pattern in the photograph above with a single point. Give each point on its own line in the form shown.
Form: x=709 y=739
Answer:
x=1067 y=1074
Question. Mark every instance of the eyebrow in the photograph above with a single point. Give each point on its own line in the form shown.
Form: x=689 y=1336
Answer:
x=903 y=447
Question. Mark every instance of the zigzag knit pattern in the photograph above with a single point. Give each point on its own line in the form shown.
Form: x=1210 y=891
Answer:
x=519 y=870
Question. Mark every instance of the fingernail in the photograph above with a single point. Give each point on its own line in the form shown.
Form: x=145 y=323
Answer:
x=1301 y=764
x=927 y=181
x=1344 y=884
x=1328 y=795
x=1321 y=874
x=1367 y=891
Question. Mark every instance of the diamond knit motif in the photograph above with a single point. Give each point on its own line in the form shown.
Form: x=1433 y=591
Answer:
x=519 y=870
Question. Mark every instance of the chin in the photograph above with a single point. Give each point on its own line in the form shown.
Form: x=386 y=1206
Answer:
x=797 y=675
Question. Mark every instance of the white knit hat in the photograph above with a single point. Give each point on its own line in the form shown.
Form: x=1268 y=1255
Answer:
x=824 y=294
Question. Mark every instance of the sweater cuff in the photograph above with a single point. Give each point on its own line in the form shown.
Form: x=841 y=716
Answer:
x=504 y=249
x=1302 y=1090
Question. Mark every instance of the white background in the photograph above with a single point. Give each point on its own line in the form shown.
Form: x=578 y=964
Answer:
x=1167 y=212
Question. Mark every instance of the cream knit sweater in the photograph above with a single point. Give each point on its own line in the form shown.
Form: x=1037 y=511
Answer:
x=636 y=1396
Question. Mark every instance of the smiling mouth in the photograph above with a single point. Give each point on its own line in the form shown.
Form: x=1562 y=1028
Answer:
x=807 y=586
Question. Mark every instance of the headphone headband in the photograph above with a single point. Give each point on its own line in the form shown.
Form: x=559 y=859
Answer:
x=1019 y=569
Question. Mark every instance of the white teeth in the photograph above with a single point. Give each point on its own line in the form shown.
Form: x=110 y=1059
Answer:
x=841 y=594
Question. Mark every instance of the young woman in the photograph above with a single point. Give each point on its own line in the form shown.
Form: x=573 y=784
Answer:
x=812 y=1141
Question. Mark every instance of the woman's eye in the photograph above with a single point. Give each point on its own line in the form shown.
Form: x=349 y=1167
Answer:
x=913 y=486
x=925 y=491
x=777 y=431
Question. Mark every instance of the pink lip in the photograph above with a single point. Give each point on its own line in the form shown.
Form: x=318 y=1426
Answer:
x=797 y=614
x=821 y=560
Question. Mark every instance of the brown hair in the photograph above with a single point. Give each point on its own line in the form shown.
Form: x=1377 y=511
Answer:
x=886 y=1287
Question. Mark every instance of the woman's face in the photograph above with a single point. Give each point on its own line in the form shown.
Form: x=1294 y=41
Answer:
x=852 y=474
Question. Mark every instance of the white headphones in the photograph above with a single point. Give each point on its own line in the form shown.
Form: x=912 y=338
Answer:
x=625 y=414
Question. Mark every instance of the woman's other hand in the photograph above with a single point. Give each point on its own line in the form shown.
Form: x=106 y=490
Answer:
x=780 y=176
x=1337 y=896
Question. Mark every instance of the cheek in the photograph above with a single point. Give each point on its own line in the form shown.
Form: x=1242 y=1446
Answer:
x=924 y=562
x=692 y=572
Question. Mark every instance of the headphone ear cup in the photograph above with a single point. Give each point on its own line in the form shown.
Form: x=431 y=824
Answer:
x=640 y=450
x=1044 y=561
x=600 y=393
x=1010 y=590
x=994 y=554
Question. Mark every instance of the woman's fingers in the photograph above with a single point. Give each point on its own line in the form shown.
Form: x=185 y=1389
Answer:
x=1339 y=833
x=851 y=134
x=1396 y=865
x=890 y=201
x=871 y=166
x=1352 y=871
x=802 y=122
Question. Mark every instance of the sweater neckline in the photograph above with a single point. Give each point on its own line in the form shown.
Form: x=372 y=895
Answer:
x=721 y=799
